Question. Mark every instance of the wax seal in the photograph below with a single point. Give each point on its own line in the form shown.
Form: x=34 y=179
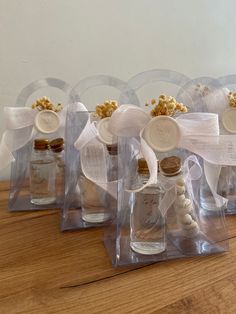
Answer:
x=104 y=134
x=229 y=120
x=47 y=121
x=162 y=133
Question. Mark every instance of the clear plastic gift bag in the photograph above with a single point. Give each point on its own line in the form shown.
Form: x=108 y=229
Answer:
x=158 y=216
x=34 y=143
x=218 y=190
x=91 y=155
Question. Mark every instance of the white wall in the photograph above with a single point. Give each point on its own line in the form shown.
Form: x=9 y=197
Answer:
x=72 y=39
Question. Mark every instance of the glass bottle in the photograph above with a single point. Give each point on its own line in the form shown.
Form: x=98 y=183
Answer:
x=227 y=187
x=57 y=148
x=112 y=175
x=97 y=204
x=42 y=174
x=207 y=200
x=147 y=223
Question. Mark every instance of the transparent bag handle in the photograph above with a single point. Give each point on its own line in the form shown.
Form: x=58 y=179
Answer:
x=227 y=80
x=147 y=77
x=100 y=80
x=202 y=94
x=41 y=83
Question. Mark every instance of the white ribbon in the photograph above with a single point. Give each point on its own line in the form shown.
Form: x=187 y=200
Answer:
x=93 y=155
x=199 y=134
x=21 y=130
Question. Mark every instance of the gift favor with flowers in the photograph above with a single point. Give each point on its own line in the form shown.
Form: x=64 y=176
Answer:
x=33 y=143
x=159 y=215
x=91 y=155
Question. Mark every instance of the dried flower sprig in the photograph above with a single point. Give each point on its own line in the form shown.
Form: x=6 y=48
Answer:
x=232 y=99
x=45 y=103
x=202 y=90
x=106 y=109
x=166 y=106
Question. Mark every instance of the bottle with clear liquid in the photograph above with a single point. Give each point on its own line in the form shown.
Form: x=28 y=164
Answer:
x=227 y=187
x=207 y=200
x=97 y=204
x=57 y=148
x=42 y=174
x=112 y=175
x=147 y=223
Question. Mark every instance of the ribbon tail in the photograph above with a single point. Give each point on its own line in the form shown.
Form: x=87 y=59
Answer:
x=88 y=134
x=6 y=156
x=167 y=201
x=212 y=173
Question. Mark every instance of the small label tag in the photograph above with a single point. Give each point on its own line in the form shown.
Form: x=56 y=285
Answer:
x=162 y=133
x=104 y=134
x=47 y=121
x=229 y=120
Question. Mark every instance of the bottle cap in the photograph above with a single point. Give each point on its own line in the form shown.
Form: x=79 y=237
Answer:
x=162 y=133
x=47 y=121
x=41 y=144
x=170 y=166
x=142 y=166
x=57 y=145
x=112 y=149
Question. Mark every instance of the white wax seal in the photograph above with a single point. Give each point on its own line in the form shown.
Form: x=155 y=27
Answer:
x=104 y=133
x=47 y=121
x=229 y=120
x=162 y=133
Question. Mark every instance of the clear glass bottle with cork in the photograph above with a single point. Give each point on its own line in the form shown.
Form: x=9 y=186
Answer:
x=112 y=175
x=42 y=174
x=57 y=148
x=147 y=224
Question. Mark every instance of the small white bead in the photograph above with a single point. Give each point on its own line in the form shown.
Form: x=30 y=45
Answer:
x=186 y=219
x=180 y=189
x=180 y=199
x=193 y=225
x=191 y=233
x=180 y=182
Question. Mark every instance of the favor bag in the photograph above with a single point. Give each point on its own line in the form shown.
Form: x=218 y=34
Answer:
x=91 y=157
x=34 y=142
x=159 y=216
x=218 y=190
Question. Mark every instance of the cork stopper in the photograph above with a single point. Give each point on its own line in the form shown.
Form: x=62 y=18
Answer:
x=57 y=145
x=142 y=166
x=112 y=149
x=170 y=166
x=41 y=144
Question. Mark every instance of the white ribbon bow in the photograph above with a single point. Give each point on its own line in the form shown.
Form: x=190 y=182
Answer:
x=20 y=124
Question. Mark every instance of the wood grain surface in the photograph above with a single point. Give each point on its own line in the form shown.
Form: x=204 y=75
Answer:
x=45 y=271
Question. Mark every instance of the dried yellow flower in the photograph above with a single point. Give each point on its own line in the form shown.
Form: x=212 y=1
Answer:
x=166 y=106
x=45 y=103
x=232 y=99
x=106 y=109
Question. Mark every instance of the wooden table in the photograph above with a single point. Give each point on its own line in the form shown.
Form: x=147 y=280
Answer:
x=45 y=271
